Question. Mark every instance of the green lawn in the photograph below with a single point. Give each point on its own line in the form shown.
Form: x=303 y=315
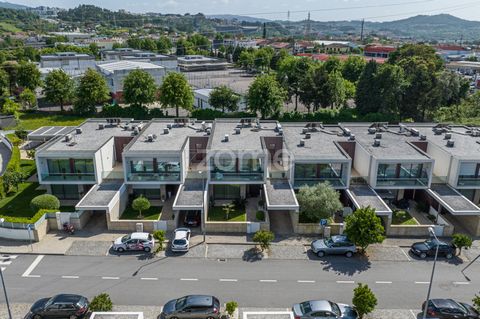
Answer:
x=27 y=167
x=8 y=27
x=153 y=213
x=401 y=217
x=18 y=204
x=67 y=209
x=216 y=214
x=32 y=121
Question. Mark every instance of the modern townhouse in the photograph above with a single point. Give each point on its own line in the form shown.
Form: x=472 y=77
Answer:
x=185 y=164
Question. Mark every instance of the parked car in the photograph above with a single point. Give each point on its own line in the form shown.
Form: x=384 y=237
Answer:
x=335 y=245
x=60 y=306
x=134 y=241
x=192 y=218
x=323 y=309
x=181 y=240
x=450 y=309
x=429 y=246
x=193 y=306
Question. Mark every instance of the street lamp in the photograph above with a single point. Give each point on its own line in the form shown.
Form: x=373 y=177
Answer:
x=432 y=234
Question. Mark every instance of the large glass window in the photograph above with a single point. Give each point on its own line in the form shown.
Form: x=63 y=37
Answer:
x=403 y=174
x=469 y=174
x=310 y=174
x=60 y=166
x=250 y=165
x=141 y=166
x=150 y=193
x=154 y=170
x=70 y=169
x=65 y=191
x=226 y=191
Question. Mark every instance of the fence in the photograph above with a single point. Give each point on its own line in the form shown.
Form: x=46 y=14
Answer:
x=22 y=231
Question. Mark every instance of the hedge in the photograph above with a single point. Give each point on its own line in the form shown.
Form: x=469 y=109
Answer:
x=44 y=201
x=26 y=220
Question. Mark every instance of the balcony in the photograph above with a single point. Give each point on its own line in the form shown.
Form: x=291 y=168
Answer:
x=68 y=177
x=154 y=177
x=402 y=182
x=465 y=181
x=237 y=176
x=334 y=182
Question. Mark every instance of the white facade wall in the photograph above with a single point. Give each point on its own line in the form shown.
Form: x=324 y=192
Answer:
x=361 y=162
x=115 y=80
x=71 y=64
x=105 y=159
x=442 y=160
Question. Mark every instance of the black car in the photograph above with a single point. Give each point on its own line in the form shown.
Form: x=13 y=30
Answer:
x=192 y=218
x=450 y=309
x=428 y=248
x=192 y=306
x=60 y=306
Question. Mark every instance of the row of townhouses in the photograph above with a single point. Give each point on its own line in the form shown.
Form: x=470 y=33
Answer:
x=98 y=165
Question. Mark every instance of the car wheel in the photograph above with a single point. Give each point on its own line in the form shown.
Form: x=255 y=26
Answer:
x=210 y=317
x=348 y=254
x=423 y=255
x=321 y=254
x=146 y=249
x=449 y=256
x=37 y=317
x=120 y=249
x=173 y=318
x=73 y=317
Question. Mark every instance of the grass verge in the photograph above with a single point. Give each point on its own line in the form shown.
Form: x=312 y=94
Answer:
x=401 y=217
x=216 y=214
x=153 y=213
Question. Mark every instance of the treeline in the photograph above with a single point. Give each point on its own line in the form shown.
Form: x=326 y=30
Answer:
x=24 y=21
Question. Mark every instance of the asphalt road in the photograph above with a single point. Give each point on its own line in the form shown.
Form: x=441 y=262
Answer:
x=269 y=283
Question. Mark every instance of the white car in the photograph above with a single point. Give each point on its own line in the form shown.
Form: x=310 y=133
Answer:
x=134 y=241
x=181 y=240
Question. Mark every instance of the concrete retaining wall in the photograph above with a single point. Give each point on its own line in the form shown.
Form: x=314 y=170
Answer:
x=409 y=230
x=226 y=227
x=312 y=229
x=129 y=225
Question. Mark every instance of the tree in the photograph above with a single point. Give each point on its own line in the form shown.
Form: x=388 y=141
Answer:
x=164 y=45
x=364 y=300
x=367 y=96
x=353 y=68
x=45 y=201
x=139 y=88
x=11 y=179
x=291 y=71
x=59 y=87
x=476 y=302
x=4 y=82
x=364 y=227
x=184 y=47
x=28 y=99
x=263 y=238
x=28 y=76
x=247 y=60
x=91 y=91
x=420 y=51
x=10 y=108
x=390 y=83
x=11 y=69
x=140 y=204
x=223 y=98
x=101 y=303
x=159 y=236
x=176 y=92
x=263 y=58
x=335 y=91
x=333 y=64
x=227 y=209
x=266 y=96
x=230 y=307
x=452 y=87
x=319 y=202
x=462 y=241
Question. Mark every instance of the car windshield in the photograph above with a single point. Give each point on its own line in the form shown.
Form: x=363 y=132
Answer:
x=305 y=307
x=180 y=304
x=335 y=309
x=328 y=242
x=125 y=238
x=179 y=242
x=431 y=243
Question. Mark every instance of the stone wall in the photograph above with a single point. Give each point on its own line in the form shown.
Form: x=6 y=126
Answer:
x=41 y=229
x=226 y=227
x=409 y=230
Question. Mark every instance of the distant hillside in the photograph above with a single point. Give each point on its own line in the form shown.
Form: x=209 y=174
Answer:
x=231 y=17
x=8 y=5
x=14 y=20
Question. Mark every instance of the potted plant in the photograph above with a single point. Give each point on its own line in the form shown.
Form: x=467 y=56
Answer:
x=231 y=309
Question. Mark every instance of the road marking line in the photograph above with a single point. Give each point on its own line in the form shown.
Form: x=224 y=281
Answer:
x=70 y=277
x=33 y=276
x=246 y=314
x=306 y=281
x=406 y=255
x=110 y=278
x=188 y=279
x=32 y=266
x=228 y=280
x=345 y=282
x=206 y=251
x=268 y=280
x=4 y=268
x=413 y=314
x=148 y=278
x=5 y=263
x=422 y=282
x=8 y=257
x=461 y=283
x=383 y=282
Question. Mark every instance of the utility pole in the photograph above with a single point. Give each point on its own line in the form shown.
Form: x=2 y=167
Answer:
x=264 y=30
x=114 y=20
x=361 y=33
x=308 y=28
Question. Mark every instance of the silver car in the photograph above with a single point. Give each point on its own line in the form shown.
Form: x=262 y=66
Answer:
x=134 y=241
x=181 y=240
x=323 y=309
x=335 y=245
x=192 y=307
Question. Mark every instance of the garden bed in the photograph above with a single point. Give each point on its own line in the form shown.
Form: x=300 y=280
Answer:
x=153 y=213
x=401 y=217
x=217 y=214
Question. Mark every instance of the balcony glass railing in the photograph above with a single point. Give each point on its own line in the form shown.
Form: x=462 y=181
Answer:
x=468 y=181
x=334 y=182
x=414 y=182
x=56 y=177
x=153 y=177
x=237 y=176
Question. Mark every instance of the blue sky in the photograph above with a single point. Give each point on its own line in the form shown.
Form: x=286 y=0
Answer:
x=323 y=10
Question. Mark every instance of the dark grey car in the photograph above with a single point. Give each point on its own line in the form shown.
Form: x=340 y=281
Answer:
x=323 y=309
x=193 y=306
x=335 y=245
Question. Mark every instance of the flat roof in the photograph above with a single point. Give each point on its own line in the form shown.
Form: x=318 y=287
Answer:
x=111 y=67
x=453 y=201
x=393 y=144
x=173 y=141
x=190 y=195
x=320 y=145
x=364 y=196
x=249 y=138
x=99 y=196
x=90 y=139
x=279 y=195
x=46 y=133
x=466 y=146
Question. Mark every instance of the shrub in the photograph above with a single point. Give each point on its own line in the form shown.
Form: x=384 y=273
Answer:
x=159 y=236
x=45 y=201
x=21 y=134
x=260 y=215
x=462 y=241
x=476 y=302
x=263 y=238
x=26 y=220
x=230 y=307
x=364 y=300
x=364 y=227
x=102 y=302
